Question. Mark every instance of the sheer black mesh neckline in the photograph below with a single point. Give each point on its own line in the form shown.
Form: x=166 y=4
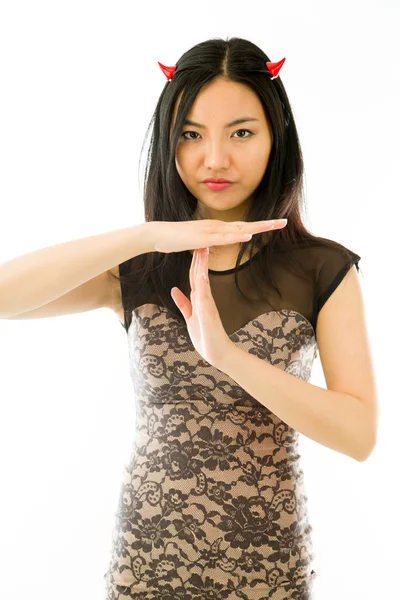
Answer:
x=227 y=271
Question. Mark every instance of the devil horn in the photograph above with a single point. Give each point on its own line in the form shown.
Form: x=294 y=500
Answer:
x=168 y=71
x=274 y=68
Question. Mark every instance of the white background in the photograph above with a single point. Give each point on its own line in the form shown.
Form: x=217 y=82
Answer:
x=79 y=82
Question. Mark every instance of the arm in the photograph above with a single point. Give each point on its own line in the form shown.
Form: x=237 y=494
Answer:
x=343 y=417
x=38 y=278
x=333 y=419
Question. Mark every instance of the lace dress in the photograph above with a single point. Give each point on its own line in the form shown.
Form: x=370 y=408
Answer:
x=213 y=503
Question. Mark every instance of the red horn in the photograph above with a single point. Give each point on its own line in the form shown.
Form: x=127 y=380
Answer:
x=274 y=68
x=168 y=71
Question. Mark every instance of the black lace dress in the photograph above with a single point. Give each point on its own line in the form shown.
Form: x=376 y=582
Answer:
x=213 y=503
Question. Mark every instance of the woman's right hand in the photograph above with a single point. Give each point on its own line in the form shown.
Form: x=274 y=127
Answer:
x=177 y=236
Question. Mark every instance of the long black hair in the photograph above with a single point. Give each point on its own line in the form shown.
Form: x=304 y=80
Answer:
x=279 y=195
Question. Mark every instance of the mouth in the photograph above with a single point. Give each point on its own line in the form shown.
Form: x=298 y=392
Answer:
x=217 y=186
x=217 y=180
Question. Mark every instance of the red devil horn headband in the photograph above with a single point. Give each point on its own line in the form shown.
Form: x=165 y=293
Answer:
x=273 y=69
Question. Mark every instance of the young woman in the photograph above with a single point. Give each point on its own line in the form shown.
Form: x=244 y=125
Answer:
x=222 y=334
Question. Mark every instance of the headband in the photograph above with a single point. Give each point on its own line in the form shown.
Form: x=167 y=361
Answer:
x=273 y=69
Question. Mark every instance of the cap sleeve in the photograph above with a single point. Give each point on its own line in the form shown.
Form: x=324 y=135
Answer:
x=334 y=265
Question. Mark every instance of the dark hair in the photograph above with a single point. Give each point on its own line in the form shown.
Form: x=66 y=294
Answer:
x=166 y=198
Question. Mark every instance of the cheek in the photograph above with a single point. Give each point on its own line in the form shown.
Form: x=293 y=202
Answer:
x=184 y=161
x=183 y=167
x=259 y=156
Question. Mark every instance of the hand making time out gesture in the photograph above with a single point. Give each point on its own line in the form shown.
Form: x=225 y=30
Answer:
x=201 y=314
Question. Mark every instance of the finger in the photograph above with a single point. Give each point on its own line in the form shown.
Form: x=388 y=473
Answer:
x=206 y=256
x=196 y=283
x=203 y=268
x=259 y=226
x=182 y=302
x=242 y=231
x=204 y=277
x=192 y=269
x=194 y=274
x=205 y=261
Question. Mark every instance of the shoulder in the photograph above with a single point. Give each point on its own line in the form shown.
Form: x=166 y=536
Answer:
x=344 y=347
x=325 y=258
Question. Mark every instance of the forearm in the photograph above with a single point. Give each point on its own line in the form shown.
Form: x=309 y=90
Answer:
x=336 y=420
x=32 y=280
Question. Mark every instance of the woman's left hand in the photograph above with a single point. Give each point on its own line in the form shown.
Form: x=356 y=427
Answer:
x=201 y=314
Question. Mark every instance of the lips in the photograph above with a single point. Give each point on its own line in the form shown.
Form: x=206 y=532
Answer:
x=217 y=186
x=217 y=181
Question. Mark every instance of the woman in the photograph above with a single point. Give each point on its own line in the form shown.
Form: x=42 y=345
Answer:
x=213 y=502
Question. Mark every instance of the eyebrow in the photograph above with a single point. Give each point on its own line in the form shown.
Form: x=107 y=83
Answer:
x=235 y=122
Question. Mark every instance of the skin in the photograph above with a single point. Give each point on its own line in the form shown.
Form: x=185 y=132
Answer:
x=231 y=153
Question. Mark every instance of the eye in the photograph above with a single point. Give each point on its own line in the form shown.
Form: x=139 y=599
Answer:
x=195 y=132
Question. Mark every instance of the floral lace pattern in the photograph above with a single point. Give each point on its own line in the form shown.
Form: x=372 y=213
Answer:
x=213 y=502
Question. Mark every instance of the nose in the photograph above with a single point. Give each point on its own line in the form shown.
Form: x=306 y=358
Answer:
x=216 y=156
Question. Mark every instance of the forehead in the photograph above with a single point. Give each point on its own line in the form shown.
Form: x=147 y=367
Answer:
x=223 y=101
